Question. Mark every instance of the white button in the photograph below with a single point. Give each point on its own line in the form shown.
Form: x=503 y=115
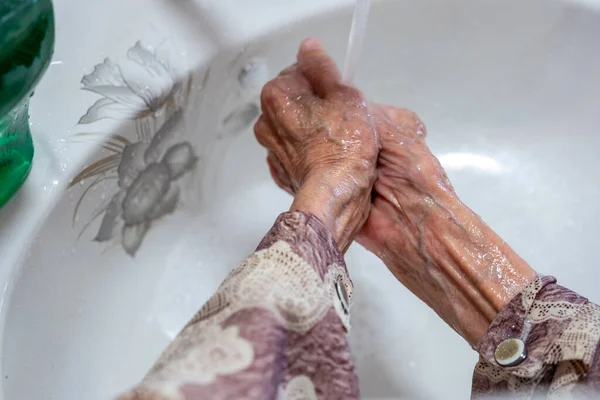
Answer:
x=510 y=352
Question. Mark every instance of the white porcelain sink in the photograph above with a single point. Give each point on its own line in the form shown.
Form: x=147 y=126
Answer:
x=510 y=91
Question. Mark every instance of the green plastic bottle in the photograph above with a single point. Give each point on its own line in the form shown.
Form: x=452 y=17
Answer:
x=26 y=47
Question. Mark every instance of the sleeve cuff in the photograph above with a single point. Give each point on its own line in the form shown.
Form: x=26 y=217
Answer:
x=310 y=239
x=554 y=324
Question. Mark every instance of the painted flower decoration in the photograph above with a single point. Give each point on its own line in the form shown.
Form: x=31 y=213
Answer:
x=147 y=170
x=133 y=89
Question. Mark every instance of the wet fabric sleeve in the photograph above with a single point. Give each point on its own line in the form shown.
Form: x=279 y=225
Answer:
x=275 y=328
x=561 y=332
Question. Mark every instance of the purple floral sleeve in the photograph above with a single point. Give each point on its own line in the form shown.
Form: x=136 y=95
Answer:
x=276 y=328
x=561 y=333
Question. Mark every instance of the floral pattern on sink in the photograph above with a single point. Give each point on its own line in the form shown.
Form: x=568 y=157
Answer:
x=149 y=93
x=148 y=168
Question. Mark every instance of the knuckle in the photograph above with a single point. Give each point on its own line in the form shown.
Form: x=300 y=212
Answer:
x=259 y=126
x=289 y=70
x=419 y=127
x=278 y=95
x=262 y=132
x=351 y=94
x=270 y=92
x=408 y=119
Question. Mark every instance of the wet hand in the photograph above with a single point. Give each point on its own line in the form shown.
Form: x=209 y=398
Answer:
x=432 y=242
x=410 y=178
x=321 y=140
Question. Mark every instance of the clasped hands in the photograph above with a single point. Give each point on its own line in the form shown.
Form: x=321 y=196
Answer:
x=365 y=171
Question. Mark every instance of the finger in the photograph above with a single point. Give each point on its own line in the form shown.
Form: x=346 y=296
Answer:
x=283 y=174
x=293 y=84
x=318 y=67
x=274 y=173
x=266 y=135
x=285 y=97
x=278 y=92
x=282 y=171
x=291 y=70
x=280 y=178
x=393 y=113
x=406 y=120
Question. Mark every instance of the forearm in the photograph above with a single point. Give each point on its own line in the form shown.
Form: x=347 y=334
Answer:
x=467 y=272
x=461 y=241
x=273 y=326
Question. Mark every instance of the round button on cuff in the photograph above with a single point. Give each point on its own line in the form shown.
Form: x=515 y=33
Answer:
x=510 y=352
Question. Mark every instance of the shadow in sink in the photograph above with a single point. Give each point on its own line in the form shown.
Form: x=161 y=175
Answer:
x=140 y=239
x=146 y=165
x=178 y=191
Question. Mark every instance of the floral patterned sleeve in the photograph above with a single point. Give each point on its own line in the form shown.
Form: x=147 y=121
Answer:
x=548 y=338
x=275 y=328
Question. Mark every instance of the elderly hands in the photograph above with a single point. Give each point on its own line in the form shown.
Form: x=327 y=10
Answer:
x=367 y=173
x=322 y=142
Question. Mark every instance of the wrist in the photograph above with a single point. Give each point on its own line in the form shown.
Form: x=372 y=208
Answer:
x=341 y=210
x=470 y=273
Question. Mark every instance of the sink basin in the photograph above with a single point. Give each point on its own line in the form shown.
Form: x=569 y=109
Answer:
x=148 y=186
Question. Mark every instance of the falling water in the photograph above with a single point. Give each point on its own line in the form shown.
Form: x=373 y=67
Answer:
x=355 y=41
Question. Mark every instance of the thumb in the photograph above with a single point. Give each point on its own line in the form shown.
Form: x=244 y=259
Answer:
x=318 y=67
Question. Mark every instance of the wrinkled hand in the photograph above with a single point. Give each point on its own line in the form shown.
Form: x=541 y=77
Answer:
x=321 y=140
x=409 y=179
x=323 y=148
x=406 y=199
x=432 y=242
